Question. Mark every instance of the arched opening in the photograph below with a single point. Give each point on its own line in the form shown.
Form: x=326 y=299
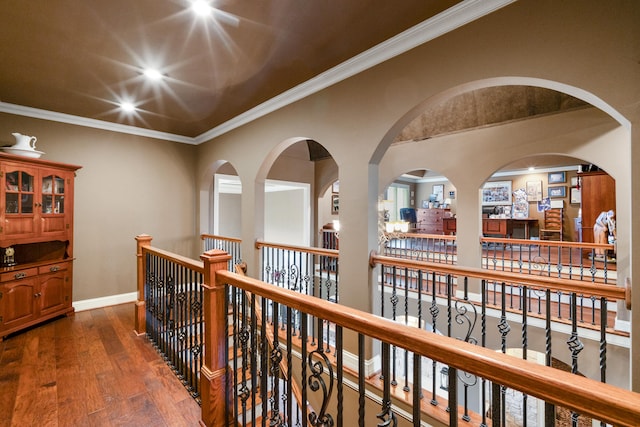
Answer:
x=296 y=185
x=227 y=202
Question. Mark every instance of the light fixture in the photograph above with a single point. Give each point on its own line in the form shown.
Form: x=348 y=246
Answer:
x=127 y=107
x=397 y=226
x=152 y=74
x=201 y=8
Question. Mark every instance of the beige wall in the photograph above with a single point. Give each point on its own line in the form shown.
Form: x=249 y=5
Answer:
x=128 y=185
x=587 y=49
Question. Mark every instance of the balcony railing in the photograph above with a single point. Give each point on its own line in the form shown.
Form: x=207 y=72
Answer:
x=337 y=387
x=571 y=260
x=230 y=245
x=272 y=341
x=170 y=308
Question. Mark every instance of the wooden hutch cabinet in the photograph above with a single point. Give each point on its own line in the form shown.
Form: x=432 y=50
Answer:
x=598 y=194
x=36 y=241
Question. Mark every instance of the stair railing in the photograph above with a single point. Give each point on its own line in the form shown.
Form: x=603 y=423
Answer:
x=326 y=386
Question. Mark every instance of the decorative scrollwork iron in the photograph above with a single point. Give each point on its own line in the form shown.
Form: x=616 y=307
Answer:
x=462 y=318
x=317 y=382
x=387 y=417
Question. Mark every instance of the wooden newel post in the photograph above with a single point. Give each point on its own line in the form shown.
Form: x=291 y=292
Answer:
x=143 y=240
x=214 y=380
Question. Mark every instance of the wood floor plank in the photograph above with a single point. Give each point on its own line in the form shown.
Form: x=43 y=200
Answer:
x=25 y=403
x=90 y=369
x=10 y=365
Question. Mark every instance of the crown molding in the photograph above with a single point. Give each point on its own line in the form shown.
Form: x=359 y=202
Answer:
x=91 y=123
x=452 y=18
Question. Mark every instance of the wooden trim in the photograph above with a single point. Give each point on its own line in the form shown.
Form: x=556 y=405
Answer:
x=212 y=236
x=538 y=282
x=39 y=162
x=583 y=395
x=183 y=261
x=143 y=242
x=334 y=253
x=564 y=244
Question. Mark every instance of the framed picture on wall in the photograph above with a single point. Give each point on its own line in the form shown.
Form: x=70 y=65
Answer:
x=559 y=191
x=335 y=204
x=534 y=191
x=438 y=190
x=496 y=193
x=575 y=195
x=557 y=177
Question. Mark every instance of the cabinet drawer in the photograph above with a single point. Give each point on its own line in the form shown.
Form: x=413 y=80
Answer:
x=53 y=268
x=18 y=274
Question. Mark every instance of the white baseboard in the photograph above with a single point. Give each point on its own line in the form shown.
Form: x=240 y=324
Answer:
x=623 y=325
x=89 y=304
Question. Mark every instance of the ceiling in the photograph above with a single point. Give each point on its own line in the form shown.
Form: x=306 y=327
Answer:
x=82 y=58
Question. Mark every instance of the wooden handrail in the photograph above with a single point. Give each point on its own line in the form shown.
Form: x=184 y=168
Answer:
x=424 y=236
x=316 y=251
x=563 y=243
x=213 y=236
x=183 y=261
x=583 y=395
x=538 y=282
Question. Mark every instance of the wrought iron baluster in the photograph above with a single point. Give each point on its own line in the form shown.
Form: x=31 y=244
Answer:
x=575 y=345
x=394 y=304
x=318 y=362
x=386 y=416
x=254 y=357
x=304 y=406
x=361 y=376
x=434 y=310
x=339 y=368
x=288 y=398
x=406 y=322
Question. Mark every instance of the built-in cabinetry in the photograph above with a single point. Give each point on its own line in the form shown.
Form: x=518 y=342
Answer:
x=598 y=194
x=430 y=221
x=36 y=241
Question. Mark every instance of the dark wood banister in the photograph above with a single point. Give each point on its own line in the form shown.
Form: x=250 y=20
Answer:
x=583 y=395
x=538 y=282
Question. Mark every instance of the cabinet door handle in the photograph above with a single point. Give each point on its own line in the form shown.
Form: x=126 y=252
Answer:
x=18 y=276
x=38 y=295
x=54 y=268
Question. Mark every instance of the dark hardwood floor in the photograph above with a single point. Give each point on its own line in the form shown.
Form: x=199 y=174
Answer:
x=89 y=370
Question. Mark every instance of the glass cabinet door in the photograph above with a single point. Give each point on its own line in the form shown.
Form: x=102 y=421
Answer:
x=52 y=194
x=19 y=192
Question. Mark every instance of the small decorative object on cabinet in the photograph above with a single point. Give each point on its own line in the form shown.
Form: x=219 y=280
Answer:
x=36 y=241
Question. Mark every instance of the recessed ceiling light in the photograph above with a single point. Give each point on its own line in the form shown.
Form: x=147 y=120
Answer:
x=152 y=74
x=531 y=168
x=127 y=106
x=201 y=8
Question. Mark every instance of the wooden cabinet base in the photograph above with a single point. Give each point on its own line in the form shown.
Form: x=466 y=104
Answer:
x=69 y=312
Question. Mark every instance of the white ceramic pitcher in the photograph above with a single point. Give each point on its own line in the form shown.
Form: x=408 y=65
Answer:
x=24 y=142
